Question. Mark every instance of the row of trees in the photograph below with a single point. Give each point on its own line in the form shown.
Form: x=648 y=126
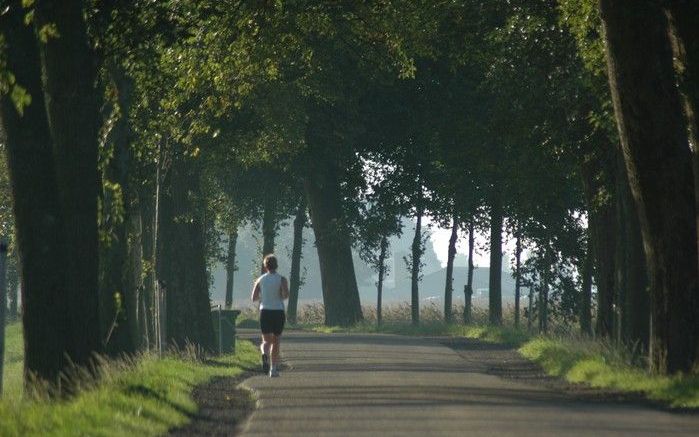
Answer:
x=138 y=134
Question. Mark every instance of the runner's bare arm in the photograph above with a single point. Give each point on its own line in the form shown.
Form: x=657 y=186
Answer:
x=285 y=289
x=256 y=291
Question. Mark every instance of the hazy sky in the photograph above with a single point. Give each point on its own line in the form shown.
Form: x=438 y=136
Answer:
x=440 y=239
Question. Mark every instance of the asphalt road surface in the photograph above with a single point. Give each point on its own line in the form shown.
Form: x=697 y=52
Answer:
x=385 y=385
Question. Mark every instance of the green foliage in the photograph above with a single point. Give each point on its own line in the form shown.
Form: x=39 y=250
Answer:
x=145 y=397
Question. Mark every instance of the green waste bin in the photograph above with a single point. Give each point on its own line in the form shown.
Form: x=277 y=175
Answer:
x=224 y=328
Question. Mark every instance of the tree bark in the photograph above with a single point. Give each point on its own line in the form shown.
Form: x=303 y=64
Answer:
x=230 y=265
x=599 y=183
x=340 y=292
x=495 y=280
x=416 y=250
x=518 y=276
x=602 y=224
x=655 y=143
x=634 y=302
x=269 y=226
x=13 y=284
x=118 y=286
x=683 y=18
x=379 y=285
x=182 y=257
x=585 y=308
x=147 y=202
x=468 y=288
x=138 y=323
x=60 y=325
x=72 y=105
x=449 y=285
x=296 y=254
x=544 y=303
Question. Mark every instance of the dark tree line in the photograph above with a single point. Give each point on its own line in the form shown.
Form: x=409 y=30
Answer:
x=140 y=136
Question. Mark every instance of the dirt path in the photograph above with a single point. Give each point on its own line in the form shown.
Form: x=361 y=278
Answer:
x=223 y=407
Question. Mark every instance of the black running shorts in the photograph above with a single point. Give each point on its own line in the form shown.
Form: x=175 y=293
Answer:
x=272 y=321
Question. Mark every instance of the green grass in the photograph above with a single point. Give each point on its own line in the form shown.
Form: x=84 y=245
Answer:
x=144 y=397
x=599 y=365
x=14 y=361
x=505 y=335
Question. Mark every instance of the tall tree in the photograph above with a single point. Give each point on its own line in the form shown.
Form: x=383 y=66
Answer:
x=518 y=276
x=181 y=259
x=449 y=285
x=468 y=288
x=230 y=266
x=654 y=139
x=52 y=131
x=296 y=251
x=495 y=278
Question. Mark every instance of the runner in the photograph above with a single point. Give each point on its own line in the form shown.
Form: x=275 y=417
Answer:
x=271 y=289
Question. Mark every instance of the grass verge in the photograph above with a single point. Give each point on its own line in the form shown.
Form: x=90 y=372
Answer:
x=600 y=365
x=576 y=360
x=14 y=361
x=146 y=397
x=494 y=334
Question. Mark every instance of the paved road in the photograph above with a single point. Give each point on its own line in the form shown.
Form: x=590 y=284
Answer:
x=405 y=386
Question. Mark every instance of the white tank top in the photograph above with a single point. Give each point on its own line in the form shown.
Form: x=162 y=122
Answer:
x=271 y=292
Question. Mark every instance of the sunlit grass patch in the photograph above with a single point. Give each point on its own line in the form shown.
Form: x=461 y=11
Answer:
x=14 y=361
x=495 y=334
x=145 y=396
x=598 y=364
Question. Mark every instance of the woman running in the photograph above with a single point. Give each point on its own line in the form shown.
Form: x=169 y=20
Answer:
x=271 y=289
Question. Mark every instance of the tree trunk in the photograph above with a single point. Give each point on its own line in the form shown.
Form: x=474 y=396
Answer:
x=118 y=288
x=602 y=224
x=544 y=303
x=269 y=226
x=416 y=249
x=495 y=281
x=654 y=138
x=586 y=292
x=620 y=270
x=468 y=288
x=340 y=292
x=182 y=257
x=72 y=104
x=296 y=254
x=449 y=285
x=138 y=320
x=683 y=18
x=634 y=302
x=147 y=202
x=13 y=284
x=379 y=285
x=518 y=276
x=230 y=266
x=60 y=325
x=599 y=183
x=530 y=308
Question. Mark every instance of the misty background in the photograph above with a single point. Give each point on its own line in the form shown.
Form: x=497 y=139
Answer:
x=396 y=285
